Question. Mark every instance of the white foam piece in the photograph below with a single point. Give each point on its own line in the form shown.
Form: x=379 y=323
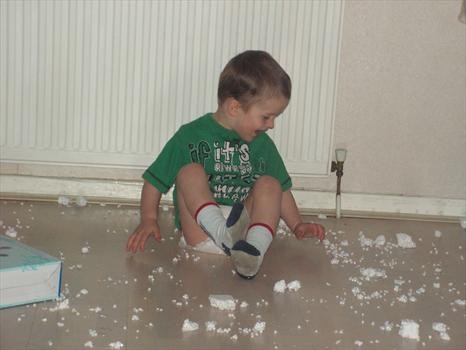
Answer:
x=438 y=233
x=379 y=241
x=207 y=246
x=189 y=326
x=371 y=272
x=116 y=345
x=439 y=326
x=463 y=223
x=89 y=344
x=85 y=250
x=259 y=327
x=279 y=286
x=61 y=305
x=444 y=336
x=63 y=200
x=404 y=240
x=11 y=232
x=409 y=329
x=387 y=326
x=294 y=285
x=81 y=201
x=96 y=309
x=210 y=326
x=222 y=301
x=223 y=330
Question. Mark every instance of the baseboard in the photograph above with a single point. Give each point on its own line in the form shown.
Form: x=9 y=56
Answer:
x=352 y=204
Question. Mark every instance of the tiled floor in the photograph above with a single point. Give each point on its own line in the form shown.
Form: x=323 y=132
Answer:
x=145 y=298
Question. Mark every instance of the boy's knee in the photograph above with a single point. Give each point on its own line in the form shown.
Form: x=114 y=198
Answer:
x=267 y=183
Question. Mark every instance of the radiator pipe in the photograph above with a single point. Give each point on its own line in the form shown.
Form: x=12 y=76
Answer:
x=340 y=155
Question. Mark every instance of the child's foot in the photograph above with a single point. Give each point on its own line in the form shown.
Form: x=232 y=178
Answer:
x=247 y=259
x=237 y=223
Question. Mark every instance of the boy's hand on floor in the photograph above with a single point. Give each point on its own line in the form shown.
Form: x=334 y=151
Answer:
x=307 y=229
x=146 y=229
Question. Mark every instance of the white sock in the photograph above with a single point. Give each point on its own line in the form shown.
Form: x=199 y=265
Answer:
x=211 y=219
x=260 y=236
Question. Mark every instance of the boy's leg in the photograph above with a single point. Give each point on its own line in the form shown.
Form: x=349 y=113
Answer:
x=196 y=201
x=192 y=232
x=264 y=205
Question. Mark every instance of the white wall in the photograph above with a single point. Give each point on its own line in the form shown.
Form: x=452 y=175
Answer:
x=401 y=105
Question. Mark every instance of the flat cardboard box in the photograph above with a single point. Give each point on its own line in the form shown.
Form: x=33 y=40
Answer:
x=27 y=275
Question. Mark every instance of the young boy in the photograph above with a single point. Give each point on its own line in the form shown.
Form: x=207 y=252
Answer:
x=226 y=158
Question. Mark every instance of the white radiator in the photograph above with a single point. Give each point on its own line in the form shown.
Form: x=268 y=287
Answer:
x=108 y=82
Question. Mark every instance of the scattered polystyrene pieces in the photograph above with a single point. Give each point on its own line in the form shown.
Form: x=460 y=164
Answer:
x=89 y=344
x=442 y=329
x=62 y=304
x=222 y=301
x=211 y=326
x=294 y=286
x=63 y=200
x=259 y=327
x=409 y=329
x=463 y=222
x=281 y=286
x=387 y=326
x=116 y=345
x=189 y=326
x=379 y=242
x=372 y=273
x=11 y=232
x=81 y=201
x=404 y=240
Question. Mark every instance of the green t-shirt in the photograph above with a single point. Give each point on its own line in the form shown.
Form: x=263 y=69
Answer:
x=231 y=164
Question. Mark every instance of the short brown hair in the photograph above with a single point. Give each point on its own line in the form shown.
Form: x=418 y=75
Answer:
x=251 y=76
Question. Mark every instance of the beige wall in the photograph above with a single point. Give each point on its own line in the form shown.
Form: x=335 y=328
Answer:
x=401 y=109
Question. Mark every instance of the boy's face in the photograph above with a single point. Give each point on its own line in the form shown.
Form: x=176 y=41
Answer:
x=259 y=118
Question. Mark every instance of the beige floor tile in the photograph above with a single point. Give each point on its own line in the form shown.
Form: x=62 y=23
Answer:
x=145 y=297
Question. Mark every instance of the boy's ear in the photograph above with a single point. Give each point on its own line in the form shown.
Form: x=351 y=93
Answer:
x=233 y=106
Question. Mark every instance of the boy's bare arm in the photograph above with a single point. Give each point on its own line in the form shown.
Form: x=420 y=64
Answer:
x=290 y=214
x=150 y=200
